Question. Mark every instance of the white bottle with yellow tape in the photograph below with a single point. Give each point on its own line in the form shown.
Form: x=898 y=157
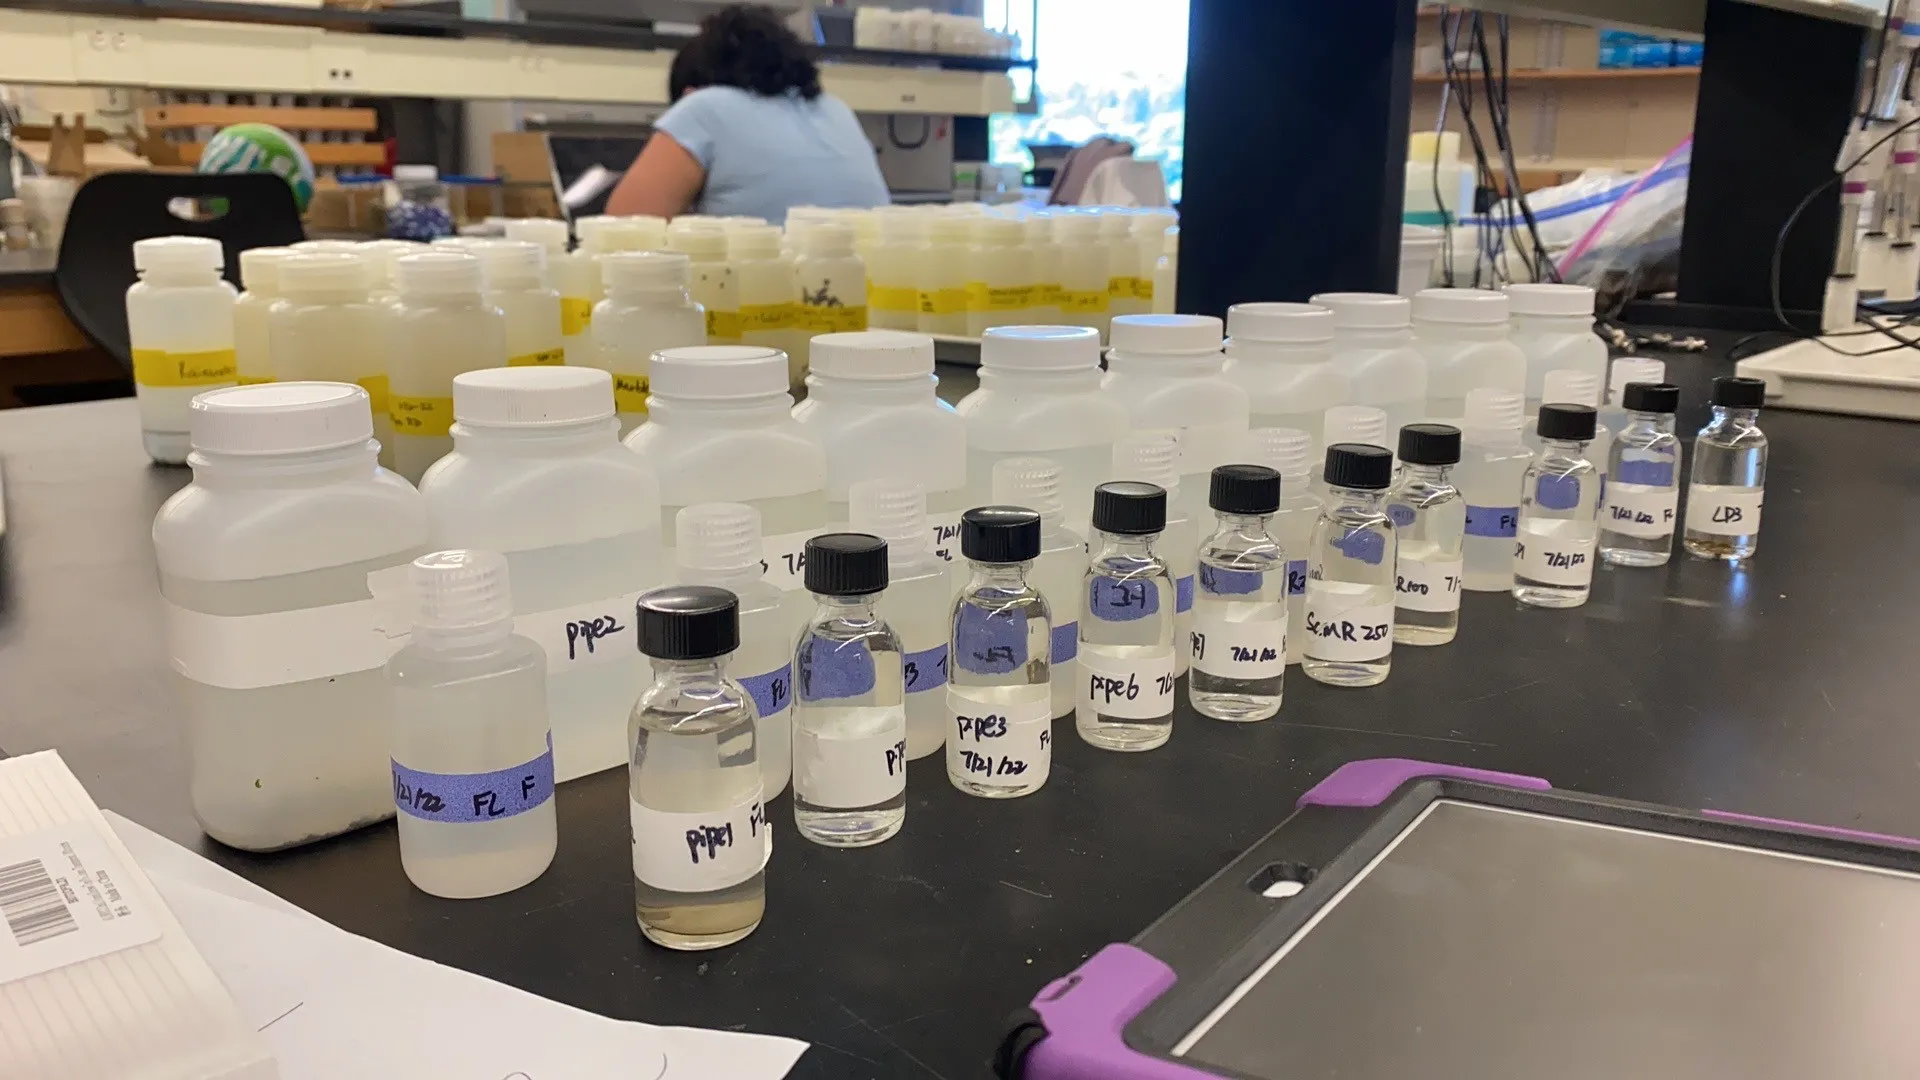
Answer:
x=270 y=562
x=562 y=274
x=1084 y=279
x=442 y=326
x=1000 y=276
x=1046 y=269
x=943 y=273
x=1149 y=237
x=513 y=275
x=833 y=280
x=769 y=296
x=893 y=284
x=647 y=309
x=180 y=328
x=260 y=277
x=537 y=472
x=1123 y=263
x=326 y=327
x=715 y=285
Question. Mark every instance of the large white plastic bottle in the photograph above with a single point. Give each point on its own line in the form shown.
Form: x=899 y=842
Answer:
x=1123 y=264
x=1282 y=356
x=537 y=473
x=1493 y=461
x=260 y=276
x=1463 y=336
x=769 y=295
x=441 y=327
x=180 y=328
x=1060 y=573
x=715 y=285
x=1166 y=273
x=1373 y=344
x=893 y=273
x=647 y=309
x=1000 y=273
x=918 y=603
x=1040 y=395
x=1553 y=326
x=1289 y=452
x=514 y=279
x=1149 y=238
x=833 y=280
x=943 y=274
x=1153 y=457
x=872 y=405
x=1084 y=278
x=720 y=428
x=328 y=328
x=1046 y=269
x=1167 y=371
x=268 y=564
x=573 y=280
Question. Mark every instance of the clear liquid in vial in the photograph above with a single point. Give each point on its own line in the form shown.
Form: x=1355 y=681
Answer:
x=1240 y=612
x=825 y=737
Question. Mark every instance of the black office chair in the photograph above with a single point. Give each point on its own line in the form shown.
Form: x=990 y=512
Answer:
x=114 y=209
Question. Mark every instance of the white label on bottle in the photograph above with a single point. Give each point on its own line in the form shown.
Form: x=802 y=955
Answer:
x=66 y=897
x=246 y=652
x=1555 y=551
x=1250 y=649
x=1341 y=625
x=1128 y=688
x=786 y=559
x=1640 y=510
x=699 y=852
x=1721 y=510
x=848 y=772
x=1427 y=585
x=998 y=744
x=583 y=635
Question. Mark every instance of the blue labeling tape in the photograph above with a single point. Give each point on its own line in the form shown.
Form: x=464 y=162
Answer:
x=771 y=691
x=1648 y=473
x=1183 y=593
x=1557 y=492
x=1297 y=577
x=926 y=670
x=1400 y=514
x=1220 y=581
x=1364 y=545
x=1497 y=522
x=990 y=641
x=474 y=797
x=835 y=669
x=1066 y=642
x=1113 y=600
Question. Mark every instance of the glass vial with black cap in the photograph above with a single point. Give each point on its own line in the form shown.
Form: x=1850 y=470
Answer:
x=1350 y=571
x=850 y=700
x=999 y=698
x=1639 y=509
x=1239 y=639
x=1729 y=474
x=1430 y=522
x=1559 y=531
x=1126 y=623
x=701 y=839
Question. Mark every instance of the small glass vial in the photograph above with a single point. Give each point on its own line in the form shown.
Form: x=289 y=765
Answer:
x=1289 y=451
x=1350 y=571
x=999 y=704
x=1153 y=457
x=849 y=706
x=1060 y=570
x=1348 y=424
x=472 y=752
x=1430 y=520
x=916 y=604
x=180 y=328
x=1640 y=507
x=514 y=273
x=701 y=838
x=1729 y=474
x=1559 y=513
x=1239 y=637
x=1126 y=623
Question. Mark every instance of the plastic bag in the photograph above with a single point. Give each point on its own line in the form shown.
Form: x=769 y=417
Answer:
x=1635 y=247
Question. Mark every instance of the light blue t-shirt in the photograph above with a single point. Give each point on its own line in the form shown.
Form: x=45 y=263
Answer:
x=766 y=154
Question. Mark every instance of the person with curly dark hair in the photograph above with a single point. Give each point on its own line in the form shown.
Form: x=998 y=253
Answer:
x=750 y=131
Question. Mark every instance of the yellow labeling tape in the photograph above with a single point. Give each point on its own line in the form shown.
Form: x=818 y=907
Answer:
x=834 y=320
x=158 y=367
x=376 y=388
x=1010 y=298
x=543 y=358
x=723 y=326
x=893 y=298
x=1143 y=289
x=630 y=393
x=1048 y=295
x=253 y=380
x=1083 y=301
x=761 y=318
x=944 y=302
x=576 y=314
x=1125 y=288
x=424 y=416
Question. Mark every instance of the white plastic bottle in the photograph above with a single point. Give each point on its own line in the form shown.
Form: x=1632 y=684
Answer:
x=326 y=327
x=872 y=406
x=268 y=561
x=575 y=275
x=1288 y=451
x=1000 y=273
x=1061 y=569
x=1553 y=326
x=769 y=296
x=647 y=309
x=1167 y=371
x=260 y=276
x=1373 y=344
x=1038 y=238
x=1493 y=462
x=1083 y=270
x=942 y=274
x=441 y=327
x=514 y=277
x=833 y=281
x=719 y=544
x=917 y=604
x=893 y=283
x=1123 y=263
x=1149 y=238
x=1462 y=334
x=537 y=472
x=1151 y=457
x=1040 y=395
x=1282 y=356
x=714 y=284
x=1166 y=274
x=721 y=429
x=473 y=767
x=180 y=328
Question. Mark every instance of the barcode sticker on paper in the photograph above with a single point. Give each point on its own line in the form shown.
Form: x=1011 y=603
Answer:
x=66 y=897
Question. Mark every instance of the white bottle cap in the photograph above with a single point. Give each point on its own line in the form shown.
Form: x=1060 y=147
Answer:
x=1153 y=222
x=997 y=232
x=458 y=592
x=1303 y=324
x=549 y=233
x=524 y=397
x=894 y=511
x=310 y=246
x=450 y=243
x=511 y=263
x=1542 y=298
x=441 y=272
x=743 y=221
x=872 y=355
x=260 y=269
x=752 y=242
x=1115 y=222
x=178 y=253
x=1570 y=386
x=1633 y=369
x=949 y=227
x=332 y=271
x=1075 y=226
x=280 y=418
x=645 y=270
x=827 y=240
x=717 y=537
x=1494 y=410
x=1471 y=307
x=1356 y=424
x=1166 y=335
x=719 y=372
x=610 y=234
x=1040 y=348
x=1367 y=311
x=406 y=173
x=382 y=254
x=701 y=240
x=1287 y=451
x=903 y=225
x=1152 y=456
x=1032 y=482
